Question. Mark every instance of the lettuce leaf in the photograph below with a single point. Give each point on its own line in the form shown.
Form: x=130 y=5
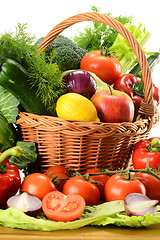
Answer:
x=100 y=215
x=8 y=105
x=8 y=134
x=29 y=155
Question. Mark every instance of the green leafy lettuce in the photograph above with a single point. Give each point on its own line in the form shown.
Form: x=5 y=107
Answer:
x=100 y=215
x=9 y=133
x=8 y=105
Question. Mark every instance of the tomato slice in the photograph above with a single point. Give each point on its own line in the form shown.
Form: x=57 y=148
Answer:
x=64 y=208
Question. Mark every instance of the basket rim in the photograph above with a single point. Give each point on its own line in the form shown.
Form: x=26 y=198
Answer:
x=102 y=129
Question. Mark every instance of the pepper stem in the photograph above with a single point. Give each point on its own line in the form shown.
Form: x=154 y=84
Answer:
x=154 y=145
x=14 y=151
x=138 y=88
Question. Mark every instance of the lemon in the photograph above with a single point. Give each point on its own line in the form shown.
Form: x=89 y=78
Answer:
x=73 y=106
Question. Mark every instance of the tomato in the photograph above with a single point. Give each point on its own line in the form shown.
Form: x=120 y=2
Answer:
x=60 y=207
x=117 y=188
x=77 y=185
x=107 y=68
x=57 y=174
x=37 y=184
x=152 y=185
x=99 y=180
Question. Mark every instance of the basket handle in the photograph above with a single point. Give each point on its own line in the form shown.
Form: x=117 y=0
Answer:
x=147 y=105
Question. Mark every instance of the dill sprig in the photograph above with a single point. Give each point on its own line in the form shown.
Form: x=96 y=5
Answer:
x=92 y=38
x=46 y=76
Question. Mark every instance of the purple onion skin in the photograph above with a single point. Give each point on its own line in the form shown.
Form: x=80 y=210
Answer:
x=135 y=198
x=80 y=81
x=32 y=204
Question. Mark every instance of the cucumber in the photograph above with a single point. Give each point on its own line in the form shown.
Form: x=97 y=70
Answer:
x=15 y=79
x=152 y=60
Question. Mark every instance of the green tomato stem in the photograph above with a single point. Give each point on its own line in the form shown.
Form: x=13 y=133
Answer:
x=127 y=172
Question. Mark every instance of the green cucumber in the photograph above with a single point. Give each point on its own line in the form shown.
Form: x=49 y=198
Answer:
x=15 y=79
x=152 y=60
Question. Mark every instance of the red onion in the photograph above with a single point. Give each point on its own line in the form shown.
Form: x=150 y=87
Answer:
x=137 y=204
x=28 y=204
x=80 y=81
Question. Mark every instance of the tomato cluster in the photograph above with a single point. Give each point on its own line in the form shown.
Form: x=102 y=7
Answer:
x=65 y=194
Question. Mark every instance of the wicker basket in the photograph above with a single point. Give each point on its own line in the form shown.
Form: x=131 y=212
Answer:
x=83 y=145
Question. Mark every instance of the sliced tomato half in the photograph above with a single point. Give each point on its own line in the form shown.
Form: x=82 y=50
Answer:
x=64 y=208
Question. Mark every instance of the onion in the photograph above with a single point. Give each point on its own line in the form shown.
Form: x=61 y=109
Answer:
x=80 y=81
x=137 y=204
x=28 y=204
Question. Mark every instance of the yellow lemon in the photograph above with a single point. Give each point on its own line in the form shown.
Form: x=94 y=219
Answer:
x=73 y=106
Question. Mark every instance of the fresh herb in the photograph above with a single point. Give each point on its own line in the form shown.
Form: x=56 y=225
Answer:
x=20 y=47
x=92 y=38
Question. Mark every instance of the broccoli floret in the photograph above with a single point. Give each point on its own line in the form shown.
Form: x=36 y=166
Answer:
x=65 y=53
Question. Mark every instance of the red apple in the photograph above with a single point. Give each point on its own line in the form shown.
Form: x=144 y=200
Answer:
x=113 y=106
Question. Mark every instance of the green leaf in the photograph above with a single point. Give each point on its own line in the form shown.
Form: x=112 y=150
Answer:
x=8 y=134
x=8 y=105
x=99 y=215
x=29 y=155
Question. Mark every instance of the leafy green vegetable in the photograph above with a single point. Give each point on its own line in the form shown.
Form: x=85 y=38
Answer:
x=20 y=47
x=29 y=155
x=100 y=215
x=124 y=53
x=100 y=34
x=8 y=105
x=8 y=134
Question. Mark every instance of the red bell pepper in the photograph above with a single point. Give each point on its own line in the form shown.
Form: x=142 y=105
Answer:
x=146 y=150
x=134 y=87
x=10 y=180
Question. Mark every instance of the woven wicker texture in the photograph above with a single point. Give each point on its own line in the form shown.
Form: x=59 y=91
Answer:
x=84 y=145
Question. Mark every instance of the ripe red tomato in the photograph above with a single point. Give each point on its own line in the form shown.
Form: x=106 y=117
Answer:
x=99 y=180
x=77 y=185
x=117 y=188
x=57 y=174
x=37 y=184
x=60 y=207
x=107 y=68
x=152 y=185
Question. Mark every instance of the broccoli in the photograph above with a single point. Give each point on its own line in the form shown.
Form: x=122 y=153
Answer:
x=65 y=53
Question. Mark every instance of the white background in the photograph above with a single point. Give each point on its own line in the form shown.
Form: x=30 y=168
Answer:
x=42 y=16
